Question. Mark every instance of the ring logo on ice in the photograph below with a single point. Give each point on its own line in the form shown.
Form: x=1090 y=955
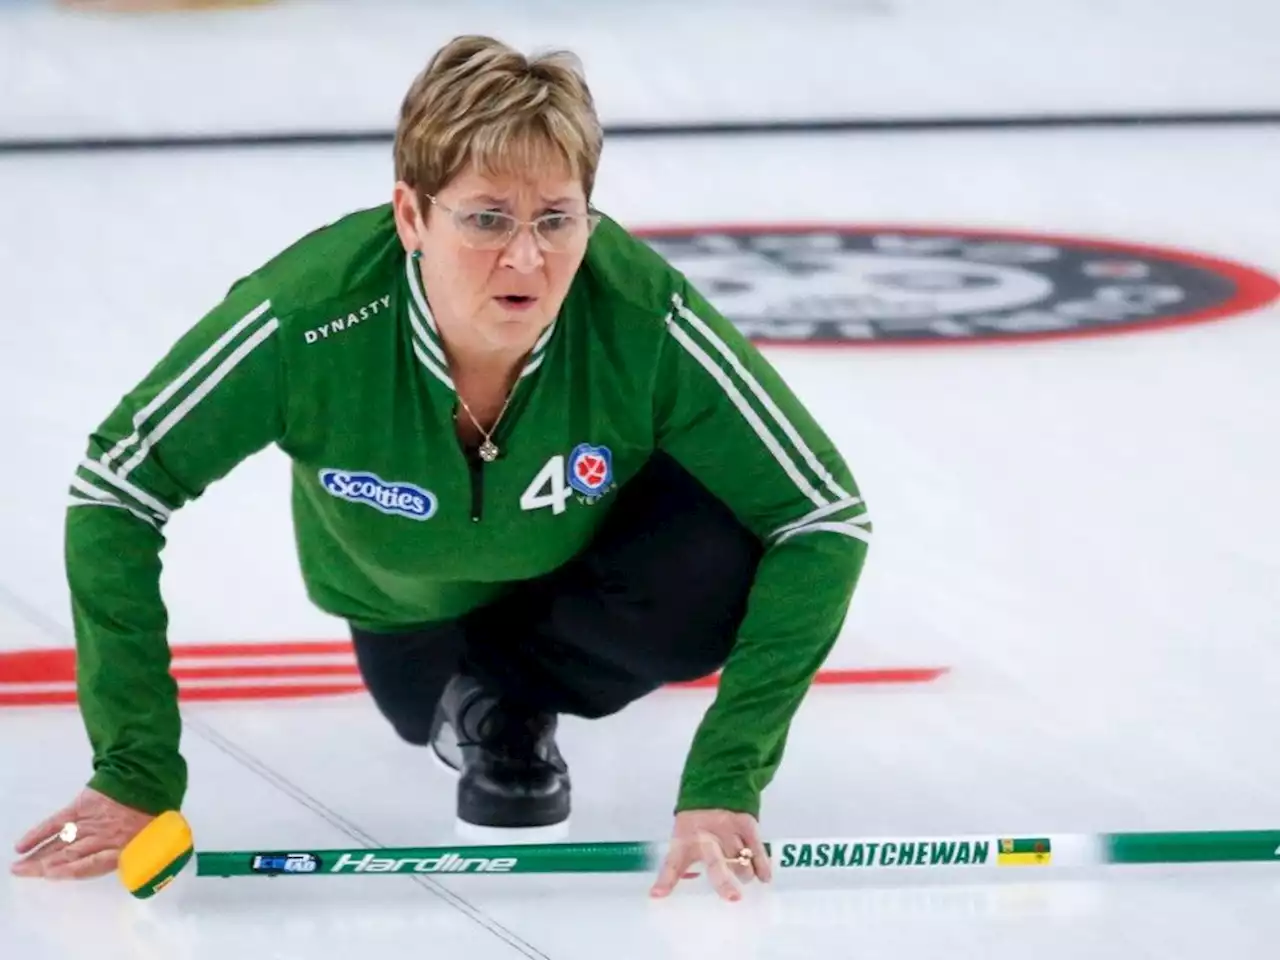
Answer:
x=590 y=471
x=395 y=499
x=854 y=284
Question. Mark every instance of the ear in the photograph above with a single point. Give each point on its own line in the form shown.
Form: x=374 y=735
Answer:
x=404 y=204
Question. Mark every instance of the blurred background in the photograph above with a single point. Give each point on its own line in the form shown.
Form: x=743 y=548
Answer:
x=79 y=69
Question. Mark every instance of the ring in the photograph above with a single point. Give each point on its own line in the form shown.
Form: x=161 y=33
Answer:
x=69 y=832
x=744 y=856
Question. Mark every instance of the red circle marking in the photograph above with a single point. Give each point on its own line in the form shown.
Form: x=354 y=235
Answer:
x=1254 y=289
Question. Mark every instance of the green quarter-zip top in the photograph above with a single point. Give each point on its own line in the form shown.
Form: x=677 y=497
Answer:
x=329 y=353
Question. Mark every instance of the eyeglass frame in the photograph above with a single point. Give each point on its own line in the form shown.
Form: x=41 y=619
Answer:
x=592 y=217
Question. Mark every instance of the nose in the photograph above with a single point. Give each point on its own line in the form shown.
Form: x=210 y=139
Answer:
x=522 y=253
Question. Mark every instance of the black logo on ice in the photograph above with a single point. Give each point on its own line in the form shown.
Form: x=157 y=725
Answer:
x=851 y=285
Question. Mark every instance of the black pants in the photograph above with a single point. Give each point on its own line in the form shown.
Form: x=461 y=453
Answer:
x=656 y=598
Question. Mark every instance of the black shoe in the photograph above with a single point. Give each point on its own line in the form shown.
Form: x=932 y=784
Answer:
x=511 y=772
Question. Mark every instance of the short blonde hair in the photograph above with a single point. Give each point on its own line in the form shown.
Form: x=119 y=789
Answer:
x=478 y=101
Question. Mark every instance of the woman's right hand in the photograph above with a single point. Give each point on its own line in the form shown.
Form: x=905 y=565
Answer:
x=103 y=829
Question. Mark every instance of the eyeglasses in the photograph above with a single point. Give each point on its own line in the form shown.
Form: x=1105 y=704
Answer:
x=492 y=230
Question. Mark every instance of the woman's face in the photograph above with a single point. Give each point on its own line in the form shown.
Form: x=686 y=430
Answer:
x=489 y=296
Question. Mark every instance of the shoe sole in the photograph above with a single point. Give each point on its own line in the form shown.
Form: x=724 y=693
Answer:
x=443 y=764
x=510 y=836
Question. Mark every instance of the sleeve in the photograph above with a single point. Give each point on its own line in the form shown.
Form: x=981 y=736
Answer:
x=213 y=400
x=726 y=415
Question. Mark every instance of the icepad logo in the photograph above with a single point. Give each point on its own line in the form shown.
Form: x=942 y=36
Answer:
x=396 y=499
x=285 y=863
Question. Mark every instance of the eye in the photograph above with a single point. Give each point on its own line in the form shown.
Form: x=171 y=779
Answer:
x=551 y=222
x=490 y=221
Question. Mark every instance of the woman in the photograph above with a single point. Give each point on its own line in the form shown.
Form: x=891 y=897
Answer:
x=532 y=467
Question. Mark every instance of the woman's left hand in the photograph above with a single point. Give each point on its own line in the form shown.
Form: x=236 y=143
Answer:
x=716 y=838
x=104 y=827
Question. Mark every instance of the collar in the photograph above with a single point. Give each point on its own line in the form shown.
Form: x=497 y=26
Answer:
x=426 y=335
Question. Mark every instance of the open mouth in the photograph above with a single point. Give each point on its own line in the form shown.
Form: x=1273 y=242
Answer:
x=516 y=300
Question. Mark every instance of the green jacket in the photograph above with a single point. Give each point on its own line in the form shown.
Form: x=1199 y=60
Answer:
x=329 y=352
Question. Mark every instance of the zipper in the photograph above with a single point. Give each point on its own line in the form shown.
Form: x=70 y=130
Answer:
x=476 y=466
x=475 y=470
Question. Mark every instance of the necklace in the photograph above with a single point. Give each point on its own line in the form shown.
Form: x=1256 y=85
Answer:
x=488 y=449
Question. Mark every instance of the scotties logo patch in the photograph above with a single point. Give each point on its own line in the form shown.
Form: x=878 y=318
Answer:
x=591 y=471
x=395 y=499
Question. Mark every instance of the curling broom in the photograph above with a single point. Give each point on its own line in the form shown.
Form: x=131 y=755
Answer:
x=161 y=851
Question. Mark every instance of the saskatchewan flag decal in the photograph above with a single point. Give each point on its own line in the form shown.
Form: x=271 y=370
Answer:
x=1024 y=852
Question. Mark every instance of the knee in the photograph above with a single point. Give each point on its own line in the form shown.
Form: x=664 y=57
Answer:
x=681 y=637
x=696 y=667
x=405 y=675
x=411 y=730
x=414 y=736
x=411 y=717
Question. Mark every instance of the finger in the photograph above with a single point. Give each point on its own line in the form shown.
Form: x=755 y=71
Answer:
x=94 y=865
x=677 y=862
x=763 y=866
x=743 y=872
x=55 y=859
x=732 y=846
x=718 y=871
x=47 y=828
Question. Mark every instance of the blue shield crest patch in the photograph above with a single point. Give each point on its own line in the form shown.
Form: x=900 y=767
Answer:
x=590 y=471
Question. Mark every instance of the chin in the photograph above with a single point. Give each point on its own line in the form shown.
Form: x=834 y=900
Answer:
x=517 y=331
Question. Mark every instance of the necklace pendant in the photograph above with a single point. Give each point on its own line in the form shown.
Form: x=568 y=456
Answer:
x=489 y=451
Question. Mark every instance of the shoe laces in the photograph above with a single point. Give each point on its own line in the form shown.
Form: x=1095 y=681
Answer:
x=511 y=735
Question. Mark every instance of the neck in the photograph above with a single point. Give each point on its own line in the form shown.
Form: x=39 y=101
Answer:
x=471 y=359
x=485 y=367
x=484 y=386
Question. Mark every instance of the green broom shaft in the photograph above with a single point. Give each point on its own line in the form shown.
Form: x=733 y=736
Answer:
x=855 y=853
x=520 y=858
x=1194 y=847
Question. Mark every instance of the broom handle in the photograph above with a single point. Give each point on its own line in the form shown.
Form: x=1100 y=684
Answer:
x=956 y=852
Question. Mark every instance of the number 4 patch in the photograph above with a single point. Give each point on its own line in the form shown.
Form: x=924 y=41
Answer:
x=589 y=472
x=548 y=488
